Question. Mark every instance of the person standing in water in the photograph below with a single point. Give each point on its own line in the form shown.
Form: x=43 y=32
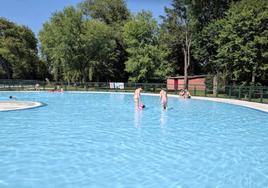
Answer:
x=136 y=97
x=163 y=98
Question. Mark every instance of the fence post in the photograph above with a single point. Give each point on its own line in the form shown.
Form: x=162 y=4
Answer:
x=239 y=92
x=65 y=86
x=195 y=90
x=261 y=96
x=230 y=92
x=205 y=91
x=250 y=93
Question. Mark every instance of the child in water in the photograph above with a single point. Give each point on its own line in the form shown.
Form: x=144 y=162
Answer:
x=141 y=106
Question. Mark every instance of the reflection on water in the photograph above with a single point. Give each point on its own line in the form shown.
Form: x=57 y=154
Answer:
x=163 y=118
x=137 y=118
x=117 y=97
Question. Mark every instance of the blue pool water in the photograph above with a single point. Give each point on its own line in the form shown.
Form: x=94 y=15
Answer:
x=100 y=141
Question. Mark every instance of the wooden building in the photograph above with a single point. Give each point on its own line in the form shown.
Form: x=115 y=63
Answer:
x=194 y=82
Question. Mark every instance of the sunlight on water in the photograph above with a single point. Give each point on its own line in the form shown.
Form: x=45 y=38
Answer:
x=100 y=140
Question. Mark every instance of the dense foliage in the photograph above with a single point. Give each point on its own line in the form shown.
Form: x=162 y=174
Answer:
x=100 y=40
x=146 y=60
x=235 y=46
x=18 y=52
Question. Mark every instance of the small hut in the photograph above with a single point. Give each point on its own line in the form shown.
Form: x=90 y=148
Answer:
x=194 y=82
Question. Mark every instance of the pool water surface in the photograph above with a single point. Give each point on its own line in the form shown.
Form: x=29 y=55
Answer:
x=99 y=140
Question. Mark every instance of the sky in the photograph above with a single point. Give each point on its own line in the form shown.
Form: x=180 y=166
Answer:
x=33 y=13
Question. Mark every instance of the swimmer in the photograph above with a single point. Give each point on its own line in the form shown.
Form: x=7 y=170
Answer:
x=187 y=94
x=141 y=106
x=182 y=92
x=11 y=97
x=163 y=98
x=136 y=97
x=37 y=87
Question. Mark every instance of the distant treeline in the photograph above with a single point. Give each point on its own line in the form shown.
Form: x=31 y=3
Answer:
x=101 y=40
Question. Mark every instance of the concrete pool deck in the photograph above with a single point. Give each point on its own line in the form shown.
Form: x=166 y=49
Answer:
x=18 y=105
x=257 y=106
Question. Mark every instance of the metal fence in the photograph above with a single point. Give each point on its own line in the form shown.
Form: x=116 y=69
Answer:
x=249 y=93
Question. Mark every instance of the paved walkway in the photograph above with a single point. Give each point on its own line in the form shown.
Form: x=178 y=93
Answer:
x=254 y=105
x=18 y=105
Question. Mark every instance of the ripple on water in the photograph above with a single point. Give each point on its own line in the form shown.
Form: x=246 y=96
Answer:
x=99 y=140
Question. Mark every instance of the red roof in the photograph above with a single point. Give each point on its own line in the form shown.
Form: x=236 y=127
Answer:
x=189 y=77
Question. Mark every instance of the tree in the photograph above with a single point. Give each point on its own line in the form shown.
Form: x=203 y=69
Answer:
x=78 y=49
x=61 y=45
x=207 y=14
x=170 y=40
x=207 y=11
x=146 y=59
x=99 y=44
x=18 y=51
x=114 y=13
x=181 y=19
x=205 y=49
x=243 y=41
x=110 y=12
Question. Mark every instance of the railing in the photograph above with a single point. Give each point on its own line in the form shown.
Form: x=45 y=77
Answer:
x=249 y=93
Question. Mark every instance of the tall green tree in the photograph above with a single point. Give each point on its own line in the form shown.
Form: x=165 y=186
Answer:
x=207 y=11
x=114 y=13
x=78 y=49
x=146 y=60
x=61 y=45
x=18 y=51
x=170 y=39
x=243 y=41
x=111 y=12
x=205 y=49
x=179 y=19
x=99 y=44
x=206 y=30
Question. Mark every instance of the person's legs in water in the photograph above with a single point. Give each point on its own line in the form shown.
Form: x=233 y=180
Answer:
x=164 y=103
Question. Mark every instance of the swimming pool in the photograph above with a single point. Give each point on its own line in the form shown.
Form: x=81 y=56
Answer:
x=98 y=140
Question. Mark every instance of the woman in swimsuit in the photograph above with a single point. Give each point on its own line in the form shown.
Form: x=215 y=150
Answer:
x=163 y=98
x=136 y=97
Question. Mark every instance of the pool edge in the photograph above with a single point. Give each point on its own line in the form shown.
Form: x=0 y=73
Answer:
x=21 y=105
x=252 y=105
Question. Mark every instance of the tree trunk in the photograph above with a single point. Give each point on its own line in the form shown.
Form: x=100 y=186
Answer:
x=253 y=77
x=185 y=69
x=185 y=50
x=187 y=57
x=84 y=75
x=215 y=85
